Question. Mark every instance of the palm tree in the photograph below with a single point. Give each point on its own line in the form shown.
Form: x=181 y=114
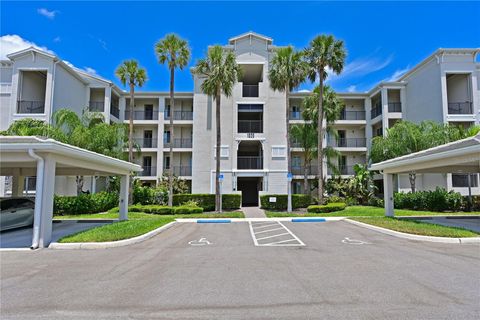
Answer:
x=324 y=52
x=129 y=72
x=306 y=136
x=220 y=72
x=287 y=72
x=174 y=51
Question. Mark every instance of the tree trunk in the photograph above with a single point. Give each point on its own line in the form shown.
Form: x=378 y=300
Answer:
x=172 y=137
x=217 y=153
x=412 y=176
x=79 y=181
x=130 y=141
x=320 y=138
x=305 y=177
x=287 y=113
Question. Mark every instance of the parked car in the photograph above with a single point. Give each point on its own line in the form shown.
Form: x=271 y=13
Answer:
x=16 y=213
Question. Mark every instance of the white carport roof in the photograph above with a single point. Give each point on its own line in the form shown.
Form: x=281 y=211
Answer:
x=71 y=161
x=462 y=156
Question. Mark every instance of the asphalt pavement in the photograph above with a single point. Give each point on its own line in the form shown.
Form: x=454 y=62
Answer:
x=215 y=271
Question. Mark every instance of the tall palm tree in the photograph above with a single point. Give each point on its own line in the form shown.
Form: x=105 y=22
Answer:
x=173 y=51
x=129 y=72
x=287 y=72
x=306 y=135
x=220 y=72
x=324 y=52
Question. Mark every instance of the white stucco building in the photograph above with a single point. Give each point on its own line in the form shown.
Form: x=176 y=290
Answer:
x=443 y=87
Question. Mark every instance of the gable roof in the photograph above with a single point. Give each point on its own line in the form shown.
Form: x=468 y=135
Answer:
x=250 y=34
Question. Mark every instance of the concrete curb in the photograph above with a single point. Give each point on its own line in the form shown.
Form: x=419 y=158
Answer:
x=110 y=244
x=286 y=219
x=414 y=236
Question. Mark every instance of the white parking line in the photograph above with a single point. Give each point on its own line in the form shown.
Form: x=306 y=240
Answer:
x=277 y=239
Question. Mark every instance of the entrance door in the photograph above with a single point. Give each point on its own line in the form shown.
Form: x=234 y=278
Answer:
x=342 y=165
x=148 y=112
x=250 y=188
x=147 y=166
x=147 y=138
x=342 y=142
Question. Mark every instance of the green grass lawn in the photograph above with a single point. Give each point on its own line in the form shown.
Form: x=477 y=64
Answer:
x=365 y=211
x=139 y=223
x=415 y=227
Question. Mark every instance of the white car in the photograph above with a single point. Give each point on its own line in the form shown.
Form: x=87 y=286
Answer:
x=16 y=213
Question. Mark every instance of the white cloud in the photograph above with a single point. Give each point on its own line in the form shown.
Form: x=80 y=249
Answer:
x=361 y=67
x=91 y=71
x=352 y=88
x=57 y=39
x=304 y=91
x=397 y=74
x=13 y=43
x=46 y=13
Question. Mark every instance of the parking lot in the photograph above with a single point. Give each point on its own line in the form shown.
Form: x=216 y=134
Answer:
x=325 y=270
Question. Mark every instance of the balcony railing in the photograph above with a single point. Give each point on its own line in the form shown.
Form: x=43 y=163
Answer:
x=249 y=162
x=179 y=115
x=180 y=171
x=376 y=111
x=142 y=115
x=299 y=170
x=96 y=106
x=295 y=144
x=115 y=111
x=178 y=143
x=342 y=170
x=250 y=90
x=352 y=115
x=148 y=171
x=296 y=115
x=250 y=126
x=460 y=108
x=348 y=143
x=146 y=142
x=28 y=106
x=394 y=107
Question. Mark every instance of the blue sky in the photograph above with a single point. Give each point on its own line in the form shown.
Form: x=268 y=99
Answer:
x=383 y=39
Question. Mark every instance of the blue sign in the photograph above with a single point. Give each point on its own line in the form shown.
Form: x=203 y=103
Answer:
x=220 y=177
x=289 y=176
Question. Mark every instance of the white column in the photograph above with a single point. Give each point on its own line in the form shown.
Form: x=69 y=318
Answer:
x=18 y=185
x=123 y=197
x=388 y=193
x=384 y=94
x=48 y=189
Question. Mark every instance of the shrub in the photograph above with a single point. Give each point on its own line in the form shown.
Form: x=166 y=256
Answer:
x=437 y=200
x=376 y=202
x=330 y=207
x=207 y=201
x=153 y=209
x=298 y=201
x=331 y=199
x=148 y=195
x=186 y=210
x=85 y=203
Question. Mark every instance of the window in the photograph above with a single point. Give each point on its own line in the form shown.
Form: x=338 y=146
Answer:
x=279 y=151
x=461 y=180
x=166 y=136
x=167 y=162
x=224 y=152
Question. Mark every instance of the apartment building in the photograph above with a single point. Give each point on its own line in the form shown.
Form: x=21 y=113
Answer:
x=443 y=87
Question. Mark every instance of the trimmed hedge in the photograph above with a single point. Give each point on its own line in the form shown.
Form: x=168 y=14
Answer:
x=298 y=201
x=207 y=201
x=85 y=203
x=330 y=207
x=186 y=210
x=161 y=210
x=438 y=200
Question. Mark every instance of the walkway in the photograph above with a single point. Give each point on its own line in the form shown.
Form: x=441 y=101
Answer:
x=253 y=212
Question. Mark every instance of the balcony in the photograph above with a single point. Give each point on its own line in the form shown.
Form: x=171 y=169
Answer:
x=179 y=115
x=178 y=143
x=460 y=108
x=96 y=106
x=394 y=107
x=295 y=144
x=149 y=171
x=26 y=106
x=296 y=115
x=250 y=126
x=376 y=111
x=299 y=170
x=115 y=111
x=250 y=90
x=146 y=142
x=180 y=171
x=342 y=170
x=249 y=163
x=348 y=143
x=352 y=115
x=142 y=115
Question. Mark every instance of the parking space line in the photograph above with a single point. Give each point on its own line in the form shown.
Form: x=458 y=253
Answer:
x=264 y=226
x=291 y=233
x=281 y=231
x=269 y=230
x=279 y=242
x=275 y=235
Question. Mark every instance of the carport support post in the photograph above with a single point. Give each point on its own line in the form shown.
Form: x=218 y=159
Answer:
x=48 y=191
x=388 y=193
x=18 y=184
x=123 y=198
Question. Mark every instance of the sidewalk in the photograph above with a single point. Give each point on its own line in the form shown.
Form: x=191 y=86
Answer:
x=253 y=212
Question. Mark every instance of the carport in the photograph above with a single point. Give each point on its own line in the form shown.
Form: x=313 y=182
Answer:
x=462 y=156
x=47 y=158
